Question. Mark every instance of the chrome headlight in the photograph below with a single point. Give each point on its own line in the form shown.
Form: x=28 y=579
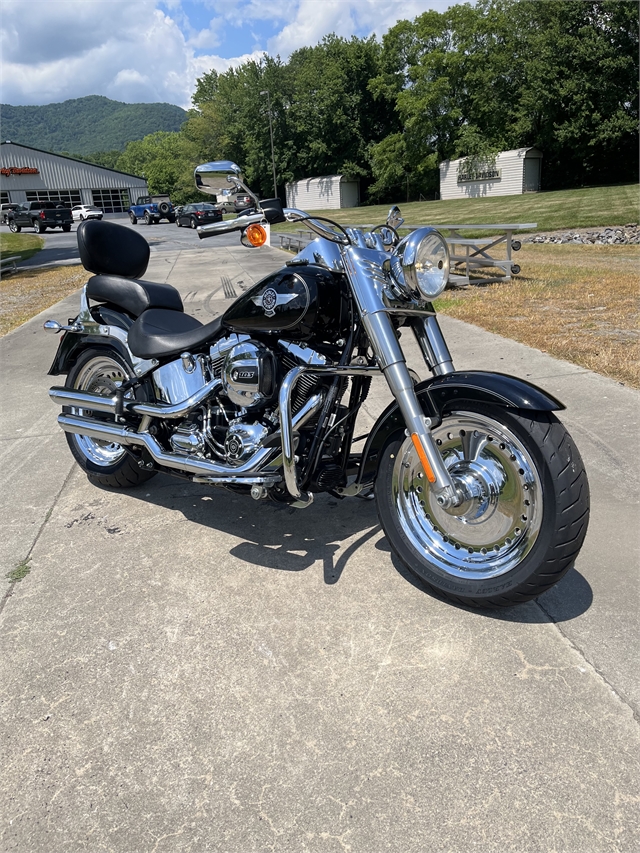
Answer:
x=424 y=256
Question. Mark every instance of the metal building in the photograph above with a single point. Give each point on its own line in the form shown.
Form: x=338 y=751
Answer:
x=330 y=192
x=515 y=172
x=28 y=174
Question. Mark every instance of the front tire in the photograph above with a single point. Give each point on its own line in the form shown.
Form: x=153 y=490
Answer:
x=133 y=218
x=523 y=519
x=105 y=463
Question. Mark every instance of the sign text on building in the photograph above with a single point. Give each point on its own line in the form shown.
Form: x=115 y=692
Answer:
x=480 y=175
x=18 y=170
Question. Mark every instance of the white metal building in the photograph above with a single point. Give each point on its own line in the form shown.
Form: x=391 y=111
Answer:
x=28 y=174
x=329 y=192
x=515 y=172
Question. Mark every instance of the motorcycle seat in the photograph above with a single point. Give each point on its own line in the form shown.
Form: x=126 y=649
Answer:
x=133 y=295
x=159 y=333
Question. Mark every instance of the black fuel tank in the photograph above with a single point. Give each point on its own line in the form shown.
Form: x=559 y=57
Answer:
x=308 y=302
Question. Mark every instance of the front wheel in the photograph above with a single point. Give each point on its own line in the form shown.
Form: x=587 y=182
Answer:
x=106 y=463
x=133 y=218
x=524 y=512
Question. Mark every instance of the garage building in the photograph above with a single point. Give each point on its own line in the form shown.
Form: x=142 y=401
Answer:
x=28 y=174
x=330 y=192
x=515 y=172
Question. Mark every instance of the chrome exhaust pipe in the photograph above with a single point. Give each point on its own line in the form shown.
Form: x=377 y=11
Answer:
x=111 y=432
x=84 y=400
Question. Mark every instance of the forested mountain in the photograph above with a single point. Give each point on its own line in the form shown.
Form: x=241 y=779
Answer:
x=84 y=126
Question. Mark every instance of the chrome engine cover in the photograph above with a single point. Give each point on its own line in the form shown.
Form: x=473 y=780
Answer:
x=248 y=375
x=242 y=441
x=177 y=381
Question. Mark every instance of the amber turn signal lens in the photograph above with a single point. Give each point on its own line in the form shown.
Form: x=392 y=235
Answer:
x=256 y=235
x=428 y=470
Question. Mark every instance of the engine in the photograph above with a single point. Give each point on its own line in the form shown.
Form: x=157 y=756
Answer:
x=234 y=422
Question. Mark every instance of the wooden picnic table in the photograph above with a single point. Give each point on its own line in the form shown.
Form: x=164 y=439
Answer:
x=472 y=253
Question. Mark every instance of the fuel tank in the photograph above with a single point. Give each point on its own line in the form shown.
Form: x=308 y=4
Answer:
x=298 y=302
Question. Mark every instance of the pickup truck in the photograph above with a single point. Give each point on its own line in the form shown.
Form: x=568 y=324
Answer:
x=40 y=215
x=152 y=208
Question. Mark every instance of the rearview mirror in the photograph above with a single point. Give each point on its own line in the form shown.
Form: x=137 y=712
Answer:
x=213 y=178
x=394 y=219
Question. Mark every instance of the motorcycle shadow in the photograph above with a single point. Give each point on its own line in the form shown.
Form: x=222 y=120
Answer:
x=568 y=599
x=275 y=535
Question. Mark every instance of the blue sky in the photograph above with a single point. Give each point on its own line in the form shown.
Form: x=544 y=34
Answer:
x=154 y=50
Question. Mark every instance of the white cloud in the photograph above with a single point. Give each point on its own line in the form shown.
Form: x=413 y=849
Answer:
x=147 y=50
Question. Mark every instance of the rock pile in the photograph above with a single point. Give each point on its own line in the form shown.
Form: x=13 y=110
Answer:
x=616 y=234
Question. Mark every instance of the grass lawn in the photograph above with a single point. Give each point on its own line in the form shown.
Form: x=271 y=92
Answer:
x=551 y=211
x=21 y=246
x=576 y=302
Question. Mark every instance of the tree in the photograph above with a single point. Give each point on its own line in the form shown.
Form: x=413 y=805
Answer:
x=167 y=161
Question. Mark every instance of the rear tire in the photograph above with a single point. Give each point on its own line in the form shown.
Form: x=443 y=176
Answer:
x=38 y=227
x=106 y=464
x=66 y=228
x=524 y=519
x=193 y=223
x=14 y=228
x=147 y=218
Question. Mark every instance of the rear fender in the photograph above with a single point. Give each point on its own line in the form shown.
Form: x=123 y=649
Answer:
x=443 y=393
x=73 y=343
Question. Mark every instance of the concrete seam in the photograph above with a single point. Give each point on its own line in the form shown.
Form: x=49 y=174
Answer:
x=9 y=593
x=620 y=696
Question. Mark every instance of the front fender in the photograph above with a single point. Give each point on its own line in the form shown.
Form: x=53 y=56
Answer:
x=442 y=393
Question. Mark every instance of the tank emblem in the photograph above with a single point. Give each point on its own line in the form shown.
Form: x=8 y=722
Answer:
x=271 y=299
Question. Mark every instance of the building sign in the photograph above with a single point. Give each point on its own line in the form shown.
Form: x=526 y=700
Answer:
x=479 y=175
x=18 y=170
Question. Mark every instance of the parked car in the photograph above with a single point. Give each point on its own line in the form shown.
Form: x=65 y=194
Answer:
x=242 y=201
x=4 y=217
x=40 y=215
x=152 y=209
x=201 y=213
x=86 y=211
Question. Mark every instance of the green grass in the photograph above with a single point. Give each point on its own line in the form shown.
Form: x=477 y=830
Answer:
x=590 y=207
x=22 y=246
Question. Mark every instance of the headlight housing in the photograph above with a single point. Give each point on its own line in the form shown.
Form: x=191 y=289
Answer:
x=424 y=257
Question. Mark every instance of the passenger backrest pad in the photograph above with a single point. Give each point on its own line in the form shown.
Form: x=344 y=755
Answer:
x=112 y=249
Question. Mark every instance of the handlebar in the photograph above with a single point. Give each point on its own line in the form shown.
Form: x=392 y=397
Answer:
x=228 y=226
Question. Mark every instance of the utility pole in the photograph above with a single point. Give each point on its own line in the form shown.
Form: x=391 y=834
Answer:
x=273 y=158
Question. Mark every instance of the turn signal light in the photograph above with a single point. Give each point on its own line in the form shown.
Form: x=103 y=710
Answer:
x=255 y=235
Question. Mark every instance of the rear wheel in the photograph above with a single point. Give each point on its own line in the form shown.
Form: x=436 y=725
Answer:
x=523 y=518
x=14 y=227
x=38 y=227
x=66 y=227
x=106 y=463
x=147 y=218
x=193 y=223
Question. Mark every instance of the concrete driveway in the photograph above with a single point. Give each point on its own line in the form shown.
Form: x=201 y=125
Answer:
x=183 y=669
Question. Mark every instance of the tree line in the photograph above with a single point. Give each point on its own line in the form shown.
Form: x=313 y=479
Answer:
x=468 y=82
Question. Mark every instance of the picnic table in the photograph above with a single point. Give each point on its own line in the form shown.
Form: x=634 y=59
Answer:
x=473 y=253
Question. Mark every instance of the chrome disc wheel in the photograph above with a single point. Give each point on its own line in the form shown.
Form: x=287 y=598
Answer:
x=102 y=376
x=499 y=519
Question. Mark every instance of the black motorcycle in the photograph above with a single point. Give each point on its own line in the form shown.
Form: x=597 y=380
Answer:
x=480 y=490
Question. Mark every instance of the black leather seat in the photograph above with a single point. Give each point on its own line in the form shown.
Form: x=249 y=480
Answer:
x=159 y=333
x=133 y=295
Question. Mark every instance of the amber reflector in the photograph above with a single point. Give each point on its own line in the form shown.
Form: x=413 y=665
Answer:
x=256 y=235
x=428 y=470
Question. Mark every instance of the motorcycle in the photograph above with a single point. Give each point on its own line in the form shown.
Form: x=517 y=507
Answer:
x=480 y=490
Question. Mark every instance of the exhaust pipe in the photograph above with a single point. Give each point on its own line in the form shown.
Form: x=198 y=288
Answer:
x=84 y=400
x=111 y=432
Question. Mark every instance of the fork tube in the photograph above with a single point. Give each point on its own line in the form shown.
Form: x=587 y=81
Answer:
x=433 y=345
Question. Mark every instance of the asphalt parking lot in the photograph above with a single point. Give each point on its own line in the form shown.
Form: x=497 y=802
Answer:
x=185 y=669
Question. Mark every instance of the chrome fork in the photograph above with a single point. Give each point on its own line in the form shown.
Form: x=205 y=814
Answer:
x=365 y=286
